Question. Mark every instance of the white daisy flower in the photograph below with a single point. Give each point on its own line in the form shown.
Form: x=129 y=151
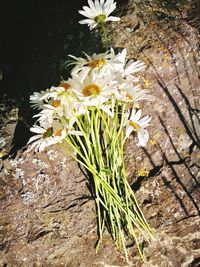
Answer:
x=50 y=134
x=133 y=94
x=61 y=109
x=45 y=116
x=50 y=110
x=64 y=84
x=98 y=62
x=98 y=12
x=94 y=89
x=138 y=125
x=44 y=137
x=118 y=60
x=53 y=93
x=126 y=67
x=37 y=99
x=133 y=67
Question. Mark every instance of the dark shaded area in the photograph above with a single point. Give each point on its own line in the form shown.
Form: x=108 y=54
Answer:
x=33 y=41
x=195 y=262
x=36 y=38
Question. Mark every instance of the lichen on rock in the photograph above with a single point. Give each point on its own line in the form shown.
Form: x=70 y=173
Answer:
x=47 y=211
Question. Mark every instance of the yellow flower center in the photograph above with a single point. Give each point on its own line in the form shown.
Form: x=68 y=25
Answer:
x=136 y=105
x=48 y=133
x=100 y=18
x=91 y=90
x=129 y=96
x=65 y=85
x=58 y=133
x=134 y=125
x=96 y=63
x=56 y=103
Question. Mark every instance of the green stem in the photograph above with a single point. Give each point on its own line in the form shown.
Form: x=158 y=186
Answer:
x=104 y=36
x=101 y=152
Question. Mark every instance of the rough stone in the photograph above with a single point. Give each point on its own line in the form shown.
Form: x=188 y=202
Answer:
x=9 y=115
x=47 y=211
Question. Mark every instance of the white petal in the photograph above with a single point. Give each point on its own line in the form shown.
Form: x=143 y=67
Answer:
x=144 y=122
x=108 y=111
x=33 y=138
x=143 y=137
x=111 y=18
x=137 y=115
x=92 y=6
x=86 y=21
x=85 y=14
x=129 y=130
x=37 y=129
x=132 y=117
x=133 y=67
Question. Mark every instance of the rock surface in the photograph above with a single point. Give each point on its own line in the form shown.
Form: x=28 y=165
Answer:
x=47 y=212
x=9 y=115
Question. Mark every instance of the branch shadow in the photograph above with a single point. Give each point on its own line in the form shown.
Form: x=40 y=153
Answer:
x=191 y=131
x=191 y=123
x=176 y=176
x=194 y=112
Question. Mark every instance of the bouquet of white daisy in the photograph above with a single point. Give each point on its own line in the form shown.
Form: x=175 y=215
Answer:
x=91 y=114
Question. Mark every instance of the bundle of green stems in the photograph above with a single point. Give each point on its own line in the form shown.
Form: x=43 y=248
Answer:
x=100 y=149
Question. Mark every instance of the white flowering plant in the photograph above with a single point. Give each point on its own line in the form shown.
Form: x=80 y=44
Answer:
x=91 y=115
